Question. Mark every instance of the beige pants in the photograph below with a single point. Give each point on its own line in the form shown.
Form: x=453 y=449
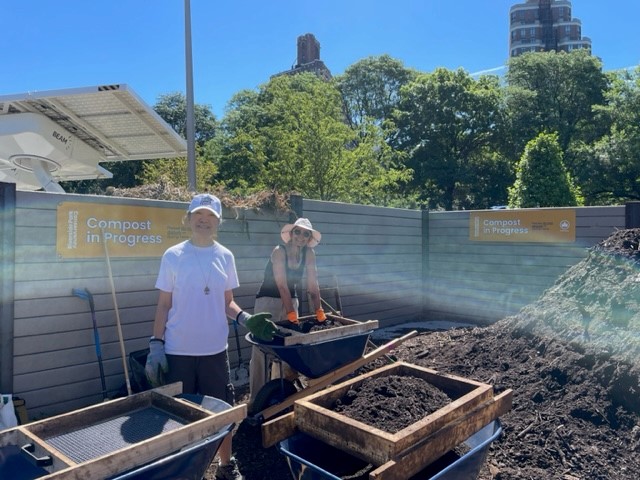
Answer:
x=260 y=362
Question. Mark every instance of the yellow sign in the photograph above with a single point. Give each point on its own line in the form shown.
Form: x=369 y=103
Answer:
x=129 y=231
x=539 y=225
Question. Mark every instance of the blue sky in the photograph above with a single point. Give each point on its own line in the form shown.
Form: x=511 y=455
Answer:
x=238 y=44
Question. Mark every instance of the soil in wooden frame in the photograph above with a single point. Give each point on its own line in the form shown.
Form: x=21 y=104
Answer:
x=391 y=403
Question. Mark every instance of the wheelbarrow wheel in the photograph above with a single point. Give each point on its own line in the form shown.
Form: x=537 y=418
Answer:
x=272 y=393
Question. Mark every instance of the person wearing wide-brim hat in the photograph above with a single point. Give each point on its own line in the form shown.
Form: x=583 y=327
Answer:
x=304 y=224
x=279 y=292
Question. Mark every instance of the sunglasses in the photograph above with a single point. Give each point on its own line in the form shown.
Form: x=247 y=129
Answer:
x=304 y=233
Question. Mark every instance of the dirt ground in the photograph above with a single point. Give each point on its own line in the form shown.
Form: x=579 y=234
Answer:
x=571 y=359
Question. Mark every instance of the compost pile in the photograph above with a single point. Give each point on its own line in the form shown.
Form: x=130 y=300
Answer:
x=572 y=360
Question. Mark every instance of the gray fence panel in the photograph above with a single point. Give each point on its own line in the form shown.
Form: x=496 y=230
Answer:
x=393 y=265
x=373 y=253
x=485 y=281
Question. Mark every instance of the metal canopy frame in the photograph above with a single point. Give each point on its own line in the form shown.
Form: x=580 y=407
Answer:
x=110 y=119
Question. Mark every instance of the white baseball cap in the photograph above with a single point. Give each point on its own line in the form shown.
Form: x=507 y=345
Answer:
x=208 y=202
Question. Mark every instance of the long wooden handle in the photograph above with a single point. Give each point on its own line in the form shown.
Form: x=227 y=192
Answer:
x=119 y=327
x=387 y=347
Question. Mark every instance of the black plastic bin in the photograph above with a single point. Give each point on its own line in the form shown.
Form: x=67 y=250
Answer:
x=311 y=459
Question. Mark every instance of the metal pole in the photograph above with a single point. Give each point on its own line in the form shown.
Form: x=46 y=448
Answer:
x=7 y=283
x=191 y=143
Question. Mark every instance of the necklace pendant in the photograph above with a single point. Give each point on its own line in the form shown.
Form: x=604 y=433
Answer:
x=206 y=290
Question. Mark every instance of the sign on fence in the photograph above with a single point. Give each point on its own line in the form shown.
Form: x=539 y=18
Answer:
x=128 y=230
x=553 y=225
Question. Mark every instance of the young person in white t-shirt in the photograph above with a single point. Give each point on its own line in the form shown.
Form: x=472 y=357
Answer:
x=190 y=330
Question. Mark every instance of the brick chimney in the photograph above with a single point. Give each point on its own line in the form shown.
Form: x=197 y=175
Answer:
x=308 y=49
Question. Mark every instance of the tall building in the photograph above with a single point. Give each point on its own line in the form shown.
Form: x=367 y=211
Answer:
x=544 y=25
x=308 y=59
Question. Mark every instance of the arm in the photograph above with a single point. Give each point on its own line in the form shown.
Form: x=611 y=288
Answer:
x=232 y=309
x=312 y=280
x=162 y=314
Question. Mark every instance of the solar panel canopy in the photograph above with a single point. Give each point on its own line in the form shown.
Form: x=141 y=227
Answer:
x=62 y=135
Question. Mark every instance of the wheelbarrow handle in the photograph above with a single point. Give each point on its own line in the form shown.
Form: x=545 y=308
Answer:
x=387 y=347
x=281 y=333
x=28 y=449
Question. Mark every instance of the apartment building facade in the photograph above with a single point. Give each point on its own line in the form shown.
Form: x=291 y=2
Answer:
x=544 y=25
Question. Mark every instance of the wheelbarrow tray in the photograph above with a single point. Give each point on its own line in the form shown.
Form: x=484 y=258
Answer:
x=191 y=461
x=314 y=360
x=311 y=459
x=343 y=327
x=115 y=437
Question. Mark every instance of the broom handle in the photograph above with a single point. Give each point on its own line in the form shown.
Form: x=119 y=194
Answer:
x=119 y=327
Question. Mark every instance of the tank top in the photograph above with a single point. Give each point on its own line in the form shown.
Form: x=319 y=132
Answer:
x=294 y=277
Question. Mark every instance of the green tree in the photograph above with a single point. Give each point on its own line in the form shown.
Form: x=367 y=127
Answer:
x=172 y=107
x=175 y=171
x=291 y=136
x=448 y=124
x=370 y=88
x=608 y=169
x=306 y=136
x=541 y=178
x=239 y=151
x=555 y=92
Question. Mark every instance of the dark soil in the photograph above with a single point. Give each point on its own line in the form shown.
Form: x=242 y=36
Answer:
x=328 y=324
x=392 y=402
x=572 y=361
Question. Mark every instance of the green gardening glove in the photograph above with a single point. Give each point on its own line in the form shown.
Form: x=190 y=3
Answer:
x=261 y=327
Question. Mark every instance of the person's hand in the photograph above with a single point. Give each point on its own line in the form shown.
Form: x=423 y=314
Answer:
x=156 y=367
x=320 y=315
x=261 y=327
x=293 y=317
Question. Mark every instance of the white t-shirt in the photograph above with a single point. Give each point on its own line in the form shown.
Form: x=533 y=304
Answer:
x=197 y=323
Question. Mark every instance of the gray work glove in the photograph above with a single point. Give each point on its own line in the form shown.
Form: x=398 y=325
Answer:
x=259 y=325
x=156 y=367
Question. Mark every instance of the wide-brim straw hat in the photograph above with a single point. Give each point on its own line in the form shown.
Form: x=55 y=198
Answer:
x=304 y=223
